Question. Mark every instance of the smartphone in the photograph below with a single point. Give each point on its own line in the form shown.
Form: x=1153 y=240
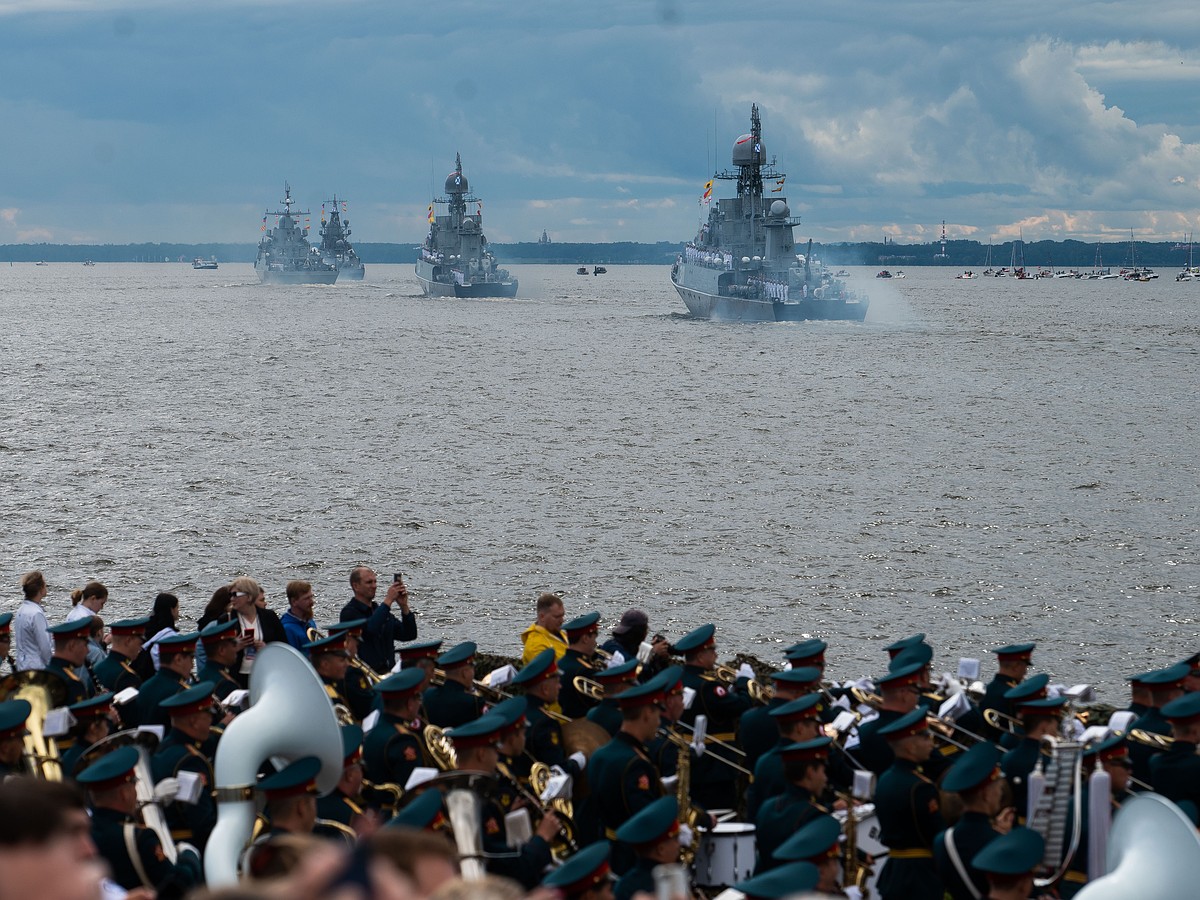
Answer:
x=398 y=577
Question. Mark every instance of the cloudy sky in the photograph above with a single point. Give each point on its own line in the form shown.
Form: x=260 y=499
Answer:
x=126 y=120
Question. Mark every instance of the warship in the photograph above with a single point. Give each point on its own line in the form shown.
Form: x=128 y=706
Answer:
x=455 y=260
x=742 y=265
x=336 y=249
x=284 y=253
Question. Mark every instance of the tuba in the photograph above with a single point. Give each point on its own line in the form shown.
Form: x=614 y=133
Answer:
x=289 y=717
x=1153 y=851
x=43 y=692
x=464 y=808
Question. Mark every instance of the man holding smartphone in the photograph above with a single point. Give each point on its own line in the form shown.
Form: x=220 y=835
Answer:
x=384 y=628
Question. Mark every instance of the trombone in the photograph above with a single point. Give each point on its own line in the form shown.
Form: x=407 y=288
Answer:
x=724 y=745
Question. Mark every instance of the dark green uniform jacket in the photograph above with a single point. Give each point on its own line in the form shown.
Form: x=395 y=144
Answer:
x=906 y=802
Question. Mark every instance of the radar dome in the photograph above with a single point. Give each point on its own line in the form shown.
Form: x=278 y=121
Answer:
x=779 y=208
x=749 y=152
x=456 y=183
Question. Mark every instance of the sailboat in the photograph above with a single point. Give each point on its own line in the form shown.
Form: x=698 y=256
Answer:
x=1099 y=273
x=1136 y=272
x=987 y=262
x=1190 y=272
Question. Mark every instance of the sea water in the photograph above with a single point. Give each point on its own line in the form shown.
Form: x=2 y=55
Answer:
x=985 y=461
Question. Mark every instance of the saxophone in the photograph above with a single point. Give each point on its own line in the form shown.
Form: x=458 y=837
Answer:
x=688 y=814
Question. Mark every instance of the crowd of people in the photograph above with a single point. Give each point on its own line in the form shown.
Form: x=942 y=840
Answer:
x=585 y=770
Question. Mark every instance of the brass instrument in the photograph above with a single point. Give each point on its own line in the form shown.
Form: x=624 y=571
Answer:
x=440 y=748
x=724 y=745
x=315 y=634
x=539 y=777
x=759 y=692
x=148 y=804
x=43 y=692
x=951 y=732
x=593 y=690
x=709 y=739
x=864 y=697
x=1153 y=851
x=1151 y=739
x=289 y=717
x=387 y=795
x=464 y=808
x=1002 y=721
x=370 y=674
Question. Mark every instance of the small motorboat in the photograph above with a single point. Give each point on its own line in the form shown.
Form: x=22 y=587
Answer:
x=599 y=270
x=582 y=270
x=883 y=273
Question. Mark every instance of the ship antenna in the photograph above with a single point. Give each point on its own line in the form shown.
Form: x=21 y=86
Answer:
x=458 y=163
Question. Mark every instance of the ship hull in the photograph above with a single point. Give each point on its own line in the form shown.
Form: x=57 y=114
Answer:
x=352 y=273
x=433 y=287
x=703 y=304
x=285 y=276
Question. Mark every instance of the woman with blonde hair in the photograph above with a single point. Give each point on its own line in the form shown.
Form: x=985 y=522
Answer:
x=258 y=626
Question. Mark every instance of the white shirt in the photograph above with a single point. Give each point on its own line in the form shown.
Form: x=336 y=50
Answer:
x=31 y=640
x=251 y=651
x=79 y=611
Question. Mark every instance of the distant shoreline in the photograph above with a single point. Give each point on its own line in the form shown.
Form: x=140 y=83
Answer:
x=958 y=254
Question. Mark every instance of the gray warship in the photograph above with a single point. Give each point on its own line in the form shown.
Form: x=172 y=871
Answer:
x=284 y=253
x=742 y=266
x=336 y=249
x=455 y=260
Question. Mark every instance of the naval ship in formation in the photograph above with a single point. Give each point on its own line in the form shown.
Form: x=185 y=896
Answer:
x=336 y=249
x=455 y=260
x=284 y=253
x=742 y=266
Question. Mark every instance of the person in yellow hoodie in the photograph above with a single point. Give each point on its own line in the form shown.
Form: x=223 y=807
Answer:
x=546 y=632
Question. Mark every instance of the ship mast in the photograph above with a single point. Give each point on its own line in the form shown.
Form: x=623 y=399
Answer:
x=458 y=202
x=750 y=176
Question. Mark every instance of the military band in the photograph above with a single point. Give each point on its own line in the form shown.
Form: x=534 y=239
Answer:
x=645 y=749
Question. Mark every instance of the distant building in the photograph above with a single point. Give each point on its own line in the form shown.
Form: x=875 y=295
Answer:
x=545 y=238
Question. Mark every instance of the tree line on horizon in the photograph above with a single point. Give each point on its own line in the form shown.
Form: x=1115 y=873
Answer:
x=1068 y=254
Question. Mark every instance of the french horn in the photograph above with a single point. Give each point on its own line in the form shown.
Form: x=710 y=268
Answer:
x=289 y=717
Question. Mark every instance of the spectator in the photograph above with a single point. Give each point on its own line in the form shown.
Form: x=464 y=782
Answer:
x=546 y=631
x=162 y=624
x=33 y=650
x=299 y=617
x=218 y=606
x=383 y=630
x=258 y=627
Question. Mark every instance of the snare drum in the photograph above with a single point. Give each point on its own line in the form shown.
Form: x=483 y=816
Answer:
x=725 y=855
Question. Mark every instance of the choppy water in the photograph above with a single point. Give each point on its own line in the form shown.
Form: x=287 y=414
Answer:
x=983 y=461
